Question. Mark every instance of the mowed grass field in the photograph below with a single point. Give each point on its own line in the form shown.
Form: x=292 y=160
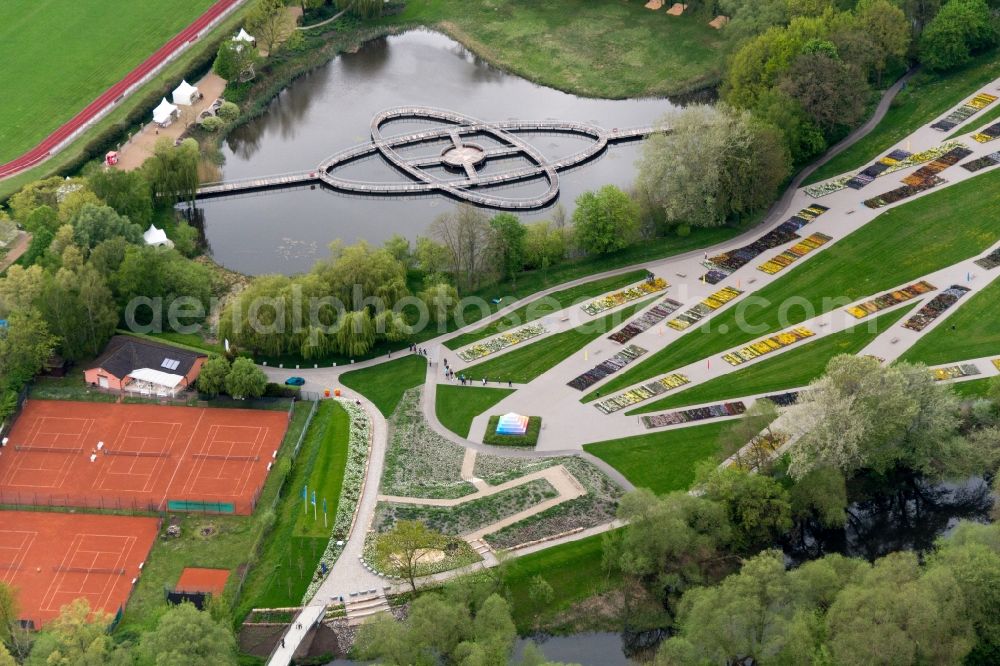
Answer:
x=597 y=48
x=58 y=55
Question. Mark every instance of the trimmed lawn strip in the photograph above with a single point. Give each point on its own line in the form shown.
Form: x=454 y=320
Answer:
x=326 y=477
x=547 y=305
x=972 y=389
x=792 y=369
x=662 y=461
x=972 y=331
x=470 y=516
x=457 y=406
x=891 y=250
x=591 y=47
x=233 y=544
x=385 y=383
x=528 y=439
x=926 y=97
x=572 y=569
x=535 y=358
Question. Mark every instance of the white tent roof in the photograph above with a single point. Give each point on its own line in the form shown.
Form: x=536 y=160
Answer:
x=184 y=93
x=243 y=36
x=154 y=236
x=163 y=112
x=156 y=377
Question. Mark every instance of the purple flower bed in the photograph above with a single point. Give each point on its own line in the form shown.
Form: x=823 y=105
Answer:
x=990 y=261
x=608 y=367
x=646 y=321
x=935 y=307
x=691 y=415
x=784 y=399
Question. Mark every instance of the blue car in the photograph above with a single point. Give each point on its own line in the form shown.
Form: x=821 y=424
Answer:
x=295 y=381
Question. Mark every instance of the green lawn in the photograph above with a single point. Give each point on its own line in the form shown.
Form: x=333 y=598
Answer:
x=456 y=406
x=384 y=384
x=572 y=569
x=541 y=307
x=974 y=388
x=293 y=548
x=595 y=48
x=230 y=545
x=58 y=56
x=976 y=331
x=898 y=246
x=524 y=364
x=794 y=368
x=926 y=96
x=661 y=461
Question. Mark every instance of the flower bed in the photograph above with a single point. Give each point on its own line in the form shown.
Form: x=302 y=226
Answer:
x=723 y=265
x=990 y=261
x=984 y=162
x=766 y=346
x=795 y=252
x=964 y=112
x=644 y=392
x=904 y=192
x=594 y=508
x=608 y=367
x=646 y=321
x=890 y=299
x=996 y=362
x=691 y=415
x=829 y=187
x=418 y=461
x=358 y=443
x=625 y=296
x=784 y=399
x=500 y=342
x=706 y=307
x=529 y=438
x=988 y=134
x=933 y=310
x=930 y=170
x=955 y=372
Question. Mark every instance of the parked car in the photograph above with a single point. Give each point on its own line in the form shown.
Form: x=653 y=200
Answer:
x=295 y=381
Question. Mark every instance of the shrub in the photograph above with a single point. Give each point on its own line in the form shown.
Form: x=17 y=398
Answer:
x=683 y=230
x=228 y=111
x=212 y=124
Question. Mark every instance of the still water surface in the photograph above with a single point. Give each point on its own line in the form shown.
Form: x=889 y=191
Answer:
x=331 y=108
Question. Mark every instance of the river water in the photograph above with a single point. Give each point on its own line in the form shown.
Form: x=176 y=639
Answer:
x=331 y=108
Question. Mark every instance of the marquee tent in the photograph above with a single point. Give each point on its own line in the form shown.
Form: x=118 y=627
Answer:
x=163 y=114
x=186 y=94
x=154 y=382
x=156 y=237
x=244 y=36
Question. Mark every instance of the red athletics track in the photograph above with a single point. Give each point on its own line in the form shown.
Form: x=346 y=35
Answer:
x=188 y=34
x=151 y=455
x=54 y=558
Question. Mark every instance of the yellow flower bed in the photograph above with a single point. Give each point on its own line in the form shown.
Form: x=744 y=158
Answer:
x=766 y=346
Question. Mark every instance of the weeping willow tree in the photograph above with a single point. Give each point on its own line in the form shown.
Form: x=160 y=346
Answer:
x=355 y=333
x=362 y=8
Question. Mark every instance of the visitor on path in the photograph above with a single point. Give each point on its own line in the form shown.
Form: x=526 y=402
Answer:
x=484 y=381
x=282 y=643
x=510 y=384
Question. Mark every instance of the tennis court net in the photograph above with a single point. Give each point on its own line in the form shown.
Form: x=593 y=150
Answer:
x=46 y=449
x=223 y=456
x=117 y=571
x=137 y=454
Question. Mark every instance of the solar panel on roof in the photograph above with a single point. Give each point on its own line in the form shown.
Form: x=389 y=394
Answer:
x=170 y=363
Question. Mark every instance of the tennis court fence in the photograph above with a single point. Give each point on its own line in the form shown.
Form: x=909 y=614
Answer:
x=29 y=501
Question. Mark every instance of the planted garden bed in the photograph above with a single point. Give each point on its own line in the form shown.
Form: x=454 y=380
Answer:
x=607 y=368
x=927 y=314
x=766 y=346
x=693 y=415
x=890 y=299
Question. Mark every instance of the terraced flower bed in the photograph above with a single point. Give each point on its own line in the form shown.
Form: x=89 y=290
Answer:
x=955 y=372
x=645 y=321
x=722 y=265
x=692 y=415
x=634 y=293
x=927 y=314
x=608 y=367
x=890 y=299
x=932 y=169
x=964 y=112
x=904 y=192
x=644 y=392
x=880 y=167
x=501 y=342
x=990 y=261
x=703 y=309
x=766 y=346
x=984 y=162
x=794 y=253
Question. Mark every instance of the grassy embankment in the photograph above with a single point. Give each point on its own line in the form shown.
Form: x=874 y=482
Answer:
x=384 y=384
x=895 y=248
x=457 y=406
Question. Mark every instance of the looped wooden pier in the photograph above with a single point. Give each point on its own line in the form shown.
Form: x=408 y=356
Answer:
x=468 y=184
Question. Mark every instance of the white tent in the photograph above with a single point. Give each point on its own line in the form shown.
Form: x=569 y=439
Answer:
x=186 y=94
x=164 y=113
x=153 y=382
x=244 y=36
x=157 y=237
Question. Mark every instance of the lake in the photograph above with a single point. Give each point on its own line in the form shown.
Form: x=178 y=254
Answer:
x=331 y=108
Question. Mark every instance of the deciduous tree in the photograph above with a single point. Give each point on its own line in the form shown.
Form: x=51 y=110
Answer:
x=605 y=221
x=185 y=636
x=245 y=380
x=404 y=545
x=212 y=378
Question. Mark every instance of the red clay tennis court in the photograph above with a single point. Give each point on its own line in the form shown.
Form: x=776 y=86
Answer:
x=55 y=558
x=141 y=457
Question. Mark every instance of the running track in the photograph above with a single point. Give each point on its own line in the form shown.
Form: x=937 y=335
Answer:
x=44 y=149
